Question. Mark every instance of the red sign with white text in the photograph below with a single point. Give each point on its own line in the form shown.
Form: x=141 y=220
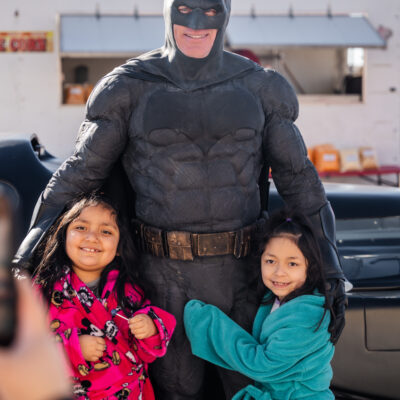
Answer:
x=11 y=42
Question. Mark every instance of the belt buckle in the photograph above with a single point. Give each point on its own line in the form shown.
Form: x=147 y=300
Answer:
x=179 y=245
x=214 y=244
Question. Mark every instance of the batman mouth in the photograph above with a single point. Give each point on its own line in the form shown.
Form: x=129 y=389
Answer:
x=196 y=37
x=195 y=43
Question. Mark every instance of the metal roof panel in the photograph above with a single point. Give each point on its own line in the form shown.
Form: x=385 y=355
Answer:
x=110 y=33
x=130 y=34
x=305 y=30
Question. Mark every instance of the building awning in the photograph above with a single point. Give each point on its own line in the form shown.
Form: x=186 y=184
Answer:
x=304 y=30
x=124 y=34
x=110 y=34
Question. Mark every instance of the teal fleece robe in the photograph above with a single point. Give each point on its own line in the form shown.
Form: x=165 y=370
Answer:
x=287 y=357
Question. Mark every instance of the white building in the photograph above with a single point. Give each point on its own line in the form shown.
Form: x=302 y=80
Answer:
x=33 y=82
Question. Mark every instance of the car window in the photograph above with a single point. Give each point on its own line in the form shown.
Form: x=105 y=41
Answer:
x=369 y=250
x=368 y=229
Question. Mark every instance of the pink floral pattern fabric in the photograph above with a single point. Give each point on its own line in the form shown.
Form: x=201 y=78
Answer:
x=121 y=373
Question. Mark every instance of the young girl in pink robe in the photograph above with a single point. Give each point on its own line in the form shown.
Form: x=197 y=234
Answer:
x=109 y=331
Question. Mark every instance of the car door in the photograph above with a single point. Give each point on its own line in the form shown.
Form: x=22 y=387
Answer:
x=367 y=356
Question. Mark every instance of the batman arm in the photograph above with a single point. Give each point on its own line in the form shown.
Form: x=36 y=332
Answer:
x=298 y=183
x=101 y=140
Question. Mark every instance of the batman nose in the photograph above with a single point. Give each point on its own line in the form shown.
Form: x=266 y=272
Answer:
x=196 y=18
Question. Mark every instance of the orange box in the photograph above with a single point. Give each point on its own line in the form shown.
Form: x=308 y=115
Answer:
x=74 y=93
x=326 y=158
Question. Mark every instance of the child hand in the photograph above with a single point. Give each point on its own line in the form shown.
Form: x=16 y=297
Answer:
x=92 y=347
x=142 y=326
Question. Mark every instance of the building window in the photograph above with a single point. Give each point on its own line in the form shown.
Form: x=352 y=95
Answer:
x=319 y=71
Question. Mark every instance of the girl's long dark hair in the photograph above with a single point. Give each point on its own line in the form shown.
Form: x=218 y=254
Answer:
x=54 y=258
x=296 y=227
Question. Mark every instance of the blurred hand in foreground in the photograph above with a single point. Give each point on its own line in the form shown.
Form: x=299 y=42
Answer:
x=33 y=367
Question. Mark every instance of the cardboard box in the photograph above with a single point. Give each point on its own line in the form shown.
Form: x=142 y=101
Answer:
x=326 y=158
x=74 y=93
x=349 y=160
x=368 y=158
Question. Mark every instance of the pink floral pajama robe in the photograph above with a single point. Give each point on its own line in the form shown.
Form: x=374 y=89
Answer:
x=121 y=373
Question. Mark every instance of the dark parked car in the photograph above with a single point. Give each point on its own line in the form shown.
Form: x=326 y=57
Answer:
x=367 y=358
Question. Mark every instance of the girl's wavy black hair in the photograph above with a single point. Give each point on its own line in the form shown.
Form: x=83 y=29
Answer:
x=296 y=227
x=54 y=258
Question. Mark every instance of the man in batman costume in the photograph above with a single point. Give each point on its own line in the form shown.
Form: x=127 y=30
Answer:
x=194 y=127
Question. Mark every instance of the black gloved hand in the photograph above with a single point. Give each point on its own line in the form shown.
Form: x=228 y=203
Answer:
x=337 y=303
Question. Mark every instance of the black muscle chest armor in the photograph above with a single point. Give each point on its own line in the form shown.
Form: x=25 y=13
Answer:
x=197 y=155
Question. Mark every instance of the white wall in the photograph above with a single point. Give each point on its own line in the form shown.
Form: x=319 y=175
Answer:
x=30 y=95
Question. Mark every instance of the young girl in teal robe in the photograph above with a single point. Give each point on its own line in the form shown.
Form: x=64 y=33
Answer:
x=289 y=352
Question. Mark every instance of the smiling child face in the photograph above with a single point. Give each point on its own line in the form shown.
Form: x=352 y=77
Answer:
x=92 y=241
x=283 y=266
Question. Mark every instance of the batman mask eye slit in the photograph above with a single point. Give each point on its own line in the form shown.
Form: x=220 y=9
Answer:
x=209 y=12
x=212 y=12
x=184 y=9
x=217 y=9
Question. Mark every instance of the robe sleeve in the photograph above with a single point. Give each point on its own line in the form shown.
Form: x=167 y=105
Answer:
x=218 y=339
x=68 y=336
x=155 y=346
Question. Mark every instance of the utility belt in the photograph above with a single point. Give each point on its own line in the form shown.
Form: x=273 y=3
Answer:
x=185 y=246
